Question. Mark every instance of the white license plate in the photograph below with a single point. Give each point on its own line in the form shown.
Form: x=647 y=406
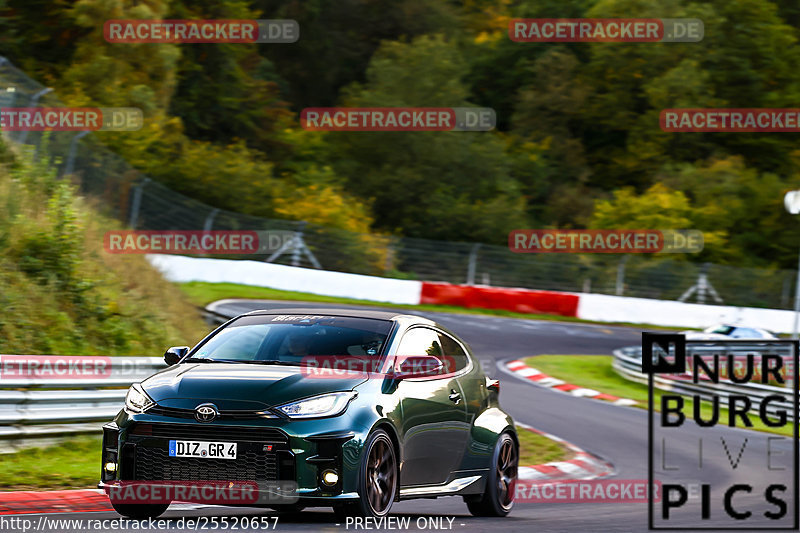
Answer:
x=204 y=450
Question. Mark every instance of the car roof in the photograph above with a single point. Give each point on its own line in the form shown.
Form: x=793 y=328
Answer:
x=329 y=311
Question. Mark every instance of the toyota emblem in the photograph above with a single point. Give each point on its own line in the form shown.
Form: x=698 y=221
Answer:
x=206 y=412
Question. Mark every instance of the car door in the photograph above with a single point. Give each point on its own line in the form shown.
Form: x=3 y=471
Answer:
x=434 y=418
x=473 y=385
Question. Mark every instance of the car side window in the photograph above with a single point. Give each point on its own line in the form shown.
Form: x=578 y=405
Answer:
x=420 y=341
x=457 y=359
x=745 y=333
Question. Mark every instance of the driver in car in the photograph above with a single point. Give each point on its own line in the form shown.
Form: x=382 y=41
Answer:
x=298 y=343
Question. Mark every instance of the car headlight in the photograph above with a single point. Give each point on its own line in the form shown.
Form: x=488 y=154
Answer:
x=318 y=406
x=137 y=401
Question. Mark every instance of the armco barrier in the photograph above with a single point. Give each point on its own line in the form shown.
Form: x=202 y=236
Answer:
x=46 y=409
x=588 y=306
x=259 y=274
x=519 y=300
x=605 y=308
x=627 y=363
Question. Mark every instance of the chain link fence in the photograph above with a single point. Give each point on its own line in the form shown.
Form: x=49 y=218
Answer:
x=142 y=203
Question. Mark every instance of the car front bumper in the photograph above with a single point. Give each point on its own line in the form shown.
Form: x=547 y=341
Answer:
x=290 y=455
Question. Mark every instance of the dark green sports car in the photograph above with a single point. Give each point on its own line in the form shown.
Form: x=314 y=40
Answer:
x=315 y=407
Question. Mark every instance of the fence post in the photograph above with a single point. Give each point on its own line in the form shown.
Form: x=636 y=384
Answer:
x=209 y=223
x=137 y=203
x=210 y=220
x=621 y=275
x=473 y=260
x=34 y=100
x=73 y=148
x=388 y=264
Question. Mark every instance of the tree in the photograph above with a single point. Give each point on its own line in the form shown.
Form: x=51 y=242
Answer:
x=228 y=91
x=450 y=185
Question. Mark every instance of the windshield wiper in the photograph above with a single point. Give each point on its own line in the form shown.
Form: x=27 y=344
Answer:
x=274 y=362
x=204 y=360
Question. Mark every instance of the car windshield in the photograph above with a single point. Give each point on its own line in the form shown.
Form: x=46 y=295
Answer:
x=721 y=329
x=295 y=339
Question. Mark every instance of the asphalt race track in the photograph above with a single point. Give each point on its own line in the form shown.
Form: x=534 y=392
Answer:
x=618 y=434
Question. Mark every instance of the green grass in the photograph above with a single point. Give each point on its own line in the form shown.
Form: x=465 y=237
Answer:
x=202 y=293
x=73 y=463
x=595 y=372
x=61 y=292
x=535 y=449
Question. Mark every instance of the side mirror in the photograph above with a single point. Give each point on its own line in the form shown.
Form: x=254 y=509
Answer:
x=175 y=354
x=418 y=366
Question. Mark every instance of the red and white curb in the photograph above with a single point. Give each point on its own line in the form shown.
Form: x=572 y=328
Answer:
x=582 y=465
x=67 y=501
x=520 y=369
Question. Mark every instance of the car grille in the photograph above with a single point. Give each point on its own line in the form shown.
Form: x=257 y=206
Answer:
x=175 y=412
x=210 y=432
x=155 y=464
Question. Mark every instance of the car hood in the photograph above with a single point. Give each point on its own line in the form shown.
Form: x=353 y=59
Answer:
x=241 y=386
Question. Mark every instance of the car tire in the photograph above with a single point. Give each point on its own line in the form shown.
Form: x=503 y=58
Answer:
x=377 y=479
x=138 y=511
x=498 y=496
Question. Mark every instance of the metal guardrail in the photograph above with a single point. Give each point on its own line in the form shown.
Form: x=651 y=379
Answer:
x=40 y=411
x=627 y=363
x=36 y=410
x=123 y=372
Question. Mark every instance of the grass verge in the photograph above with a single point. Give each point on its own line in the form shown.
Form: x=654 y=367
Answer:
x=535 y=449
x=71 y=464
x=202 y=293
x=595 y=372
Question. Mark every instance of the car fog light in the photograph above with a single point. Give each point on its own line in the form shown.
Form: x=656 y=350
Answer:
x=330 y=477
x=111 y=467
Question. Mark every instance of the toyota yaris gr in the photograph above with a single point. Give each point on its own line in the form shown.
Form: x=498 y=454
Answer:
x=344 y=408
